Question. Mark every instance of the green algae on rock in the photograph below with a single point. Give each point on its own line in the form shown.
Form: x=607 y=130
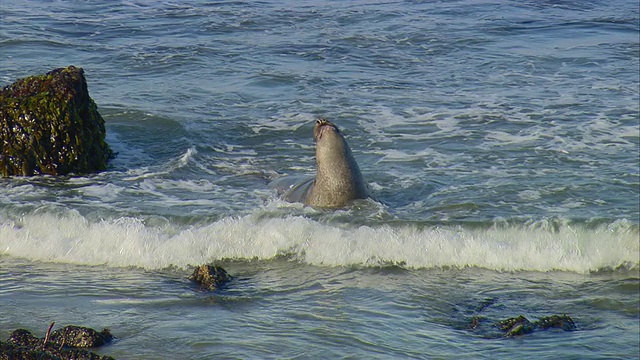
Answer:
x=49 y=125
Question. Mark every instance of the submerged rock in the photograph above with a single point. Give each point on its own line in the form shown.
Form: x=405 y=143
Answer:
x=519 y=325
x=22 y=344
x=50 y=125
x=482 y=321
x=563 y=322
x=516 y=326
x=210 y=277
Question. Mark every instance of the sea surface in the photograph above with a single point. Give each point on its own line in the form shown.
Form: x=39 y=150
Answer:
x=500 y=140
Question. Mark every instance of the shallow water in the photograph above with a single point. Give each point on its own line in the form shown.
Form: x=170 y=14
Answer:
x=278 y=308
x=501 y=141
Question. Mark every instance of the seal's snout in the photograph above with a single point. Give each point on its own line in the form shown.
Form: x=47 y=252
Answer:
x=322 y=126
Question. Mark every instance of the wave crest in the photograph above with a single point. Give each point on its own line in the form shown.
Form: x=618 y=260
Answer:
x=150 y=244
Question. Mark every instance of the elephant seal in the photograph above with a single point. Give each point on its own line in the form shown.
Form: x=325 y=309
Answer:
x=338 y=179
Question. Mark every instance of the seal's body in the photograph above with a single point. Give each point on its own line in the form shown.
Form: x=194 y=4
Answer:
x=338 y=179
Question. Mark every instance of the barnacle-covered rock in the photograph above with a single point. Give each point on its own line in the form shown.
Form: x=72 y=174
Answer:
x=79 y=336
x=50 y=125
x=209 y=277
x=22 y=344
x=24 y=337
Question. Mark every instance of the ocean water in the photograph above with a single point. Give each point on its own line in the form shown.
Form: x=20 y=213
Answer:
x=500 y=139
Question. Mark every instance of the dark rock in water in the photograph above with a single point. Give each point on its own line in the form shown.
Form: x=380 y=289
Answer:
x=50 y=125
x=209 y=277
x=563 y=322
x=516 y=326
x=481 y=323
x=78 y=336
x=23 y=345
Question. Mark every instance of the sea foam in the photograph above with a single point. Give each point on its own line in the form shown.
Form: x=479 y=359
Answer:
x=130 y=241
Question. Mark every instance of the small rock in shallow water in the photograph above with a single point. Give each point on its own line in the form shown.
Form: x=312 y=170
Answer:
x=209 y=277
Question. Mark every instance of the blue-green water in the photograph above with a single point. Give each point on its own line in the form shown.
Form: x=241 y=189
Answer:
x=501 y=140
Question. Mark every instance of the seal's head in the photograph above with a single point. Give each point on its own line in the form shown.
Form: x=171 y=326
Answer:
x=332 y=149
x=323 y=126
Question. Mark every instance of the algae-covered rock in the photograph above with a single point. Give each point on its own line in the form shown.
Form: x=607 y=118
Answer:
x=50 y=125
x=209 y=277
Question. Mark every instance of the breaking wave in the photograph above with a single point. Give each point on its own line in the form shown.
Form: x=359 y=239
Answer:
x=129 y=241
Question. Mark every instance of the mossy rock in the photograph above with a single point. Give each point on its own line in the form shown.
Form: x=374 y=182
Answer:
x=50 y=125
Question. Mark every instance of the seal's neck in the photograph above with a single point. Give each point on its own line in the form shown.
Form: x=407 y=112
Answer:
x=337 y=169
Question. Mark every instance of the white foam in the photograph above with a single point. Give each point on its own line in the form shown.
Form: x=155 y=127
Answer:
x=129 y=242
